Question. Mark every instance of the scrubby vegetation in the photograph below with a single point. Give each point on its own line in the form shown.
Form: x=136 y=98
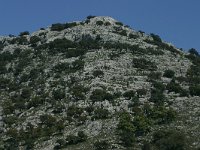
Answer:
x=102 y=90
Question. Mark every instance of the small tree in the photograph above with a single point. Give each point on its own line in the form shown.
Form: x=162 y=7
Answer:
x=169 y=73
x=100 y=23
x=24 y=33
x=193 y=52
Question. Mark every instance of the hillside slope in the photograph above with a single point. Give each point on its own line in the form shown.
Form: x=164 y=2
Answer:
x=97 y=84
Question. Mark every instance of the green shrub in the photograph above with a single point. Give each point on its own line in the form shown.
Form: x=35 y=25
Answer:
x=98 y=73
x=10 y=120
x=162 y=115
x=8 y=107
x=62 y=67
x=154 y=76
x=141 y=92
x=90 y=17
x=169 y=140
x=142 y=63
x=70 y=25
x=133 y=36
x=57 y=27
x=175 y=87
x=1 y=45
x=48 y=120
x=58 y=94
x=34 y=39
x=101 y=113
x=4 y=83
x=142 y=125
x=193 y=52
x=169 y=73
x=129 y=94
x=157 y=97
x=77 y=65
x=78 y=92
x=26 y=93
x=99 y=23
x=158 y=86
x=156 y=37
x=22 y=40
x=126 y=130
x=101 y=145
x=97 y=95
x=119 y=23
x=74 y=111
x=6 y=57
x=24 y=33
x=195 y=90
x=123 y=33
x=35 y=102
x=72 y=139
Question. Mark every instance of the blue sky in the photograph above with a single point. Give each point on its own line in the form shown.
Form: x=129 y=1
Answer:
x=176 y=21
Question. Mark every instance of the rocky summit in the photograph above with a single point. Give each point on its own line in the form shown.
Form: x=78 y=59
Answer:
x=97 y=84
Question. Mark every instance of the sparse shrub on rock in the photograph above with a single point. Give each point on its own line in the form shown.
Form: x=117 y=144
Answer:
x=169 y=73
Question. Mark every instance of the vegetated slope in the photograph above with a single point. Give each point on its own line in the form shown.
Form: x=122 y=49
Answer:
x=97 y=84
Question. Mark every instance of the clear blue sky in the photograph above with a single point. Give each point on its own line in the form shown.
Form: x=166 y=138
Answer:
x=176 y=21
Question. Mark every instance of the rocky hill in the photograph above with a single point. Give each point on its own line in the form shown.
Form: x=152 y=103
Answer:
x=97 y=85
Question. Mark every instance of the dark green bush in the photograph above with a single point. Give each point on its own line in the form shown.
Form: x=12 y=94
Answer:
x=77 y=65
x=58 y=94
x=159 y=86
x=175 y=87
x=101 y=113
x=101 y=145
x=4 y=83
x=34 y=39
x=1 y=45
x=141 y=92
x=98 y=73
x=99 y=23
x=70 y=25
x=97 y=95
x=20 y=40
x=72 y=139
x=126 y=130
x=35 y=102
x=157 y=97
x=169 y=73
x=154 y=76
x=26 y=93
x=48 y=120
x=78 y=92
x=119 y=23
x=24 y=33
x=195 y=90
x=133 y=36
x=142 y=125
x=169 y=140
x=162 y=115
x=62 y=67
x=129 y=94
x=74 y=111
x=156 y=37
x=142 y=63
x=193 y=52
x=6 y=57
x=57 y=27
x=90 y=17
x=123 y=33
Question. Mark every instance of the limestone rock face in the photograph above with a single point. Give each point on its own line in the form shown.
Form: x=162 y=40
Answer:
x=96 y=84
